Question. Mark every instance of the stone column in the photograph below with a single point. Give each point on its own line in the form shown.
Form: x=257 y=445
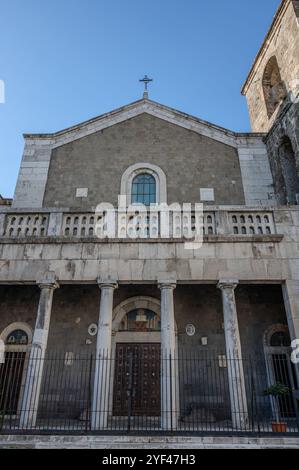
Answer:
x=55 y=224
x=47 y=284
x=290 y=291
x=237 y=390
x=169 y=416
x=102 y=389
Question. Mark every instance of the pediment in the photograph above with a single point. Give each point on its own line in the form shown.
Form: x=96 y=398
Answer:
x=130 y=111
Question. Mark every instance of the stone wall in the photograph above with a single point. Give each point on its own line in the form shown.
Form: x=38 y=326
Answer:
x=256 y=174
x=248 y=259
x=259 y=307
x=18 y=304
x=76 y=307
x=98 y=161
x=33 y=174
x=286 y=126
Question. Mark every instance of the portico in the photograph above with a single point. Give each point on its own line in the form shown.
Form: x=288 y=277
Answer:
x=168 y=299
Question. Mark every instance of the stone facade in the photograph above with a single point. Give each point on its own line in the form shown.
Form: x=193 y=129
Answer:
x=207 y=147
x=231 y=300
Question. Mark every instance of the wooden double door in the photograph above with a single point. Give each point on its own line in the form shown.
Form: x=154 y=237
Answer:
x=137 y=374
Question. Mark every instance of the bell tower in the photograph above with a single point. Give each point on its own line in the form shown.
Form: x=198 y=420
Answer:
x=272 y=93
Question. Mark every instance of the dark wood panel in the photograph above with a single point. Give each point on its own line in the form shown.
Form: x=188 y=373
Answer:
x=137 y=375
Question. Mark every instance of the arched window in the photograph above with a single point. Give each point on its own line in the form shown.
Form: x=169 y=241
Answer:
x=15 y=342
x=289 y=172
x=144 y=189
x=273 y=86
x=280 y=339
x=17 y=338
x=279 y=367
x=144 y=183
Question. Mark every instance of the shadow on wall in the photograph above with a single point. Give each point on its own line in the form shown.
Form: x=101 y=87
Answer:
x=289 y=190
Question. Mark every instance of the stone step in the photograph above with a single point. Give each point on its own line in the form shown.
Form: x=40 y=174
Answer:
x=146 y=442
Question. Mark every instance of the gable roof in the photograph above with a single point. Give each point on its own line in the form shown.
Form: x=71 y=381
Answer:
x=134 y=109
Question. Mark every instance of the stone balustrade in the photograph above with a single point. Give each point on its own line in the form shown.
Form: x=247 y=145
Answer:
x=25 y=225
x=248 y=223
x=136 y=225
x=78 y=225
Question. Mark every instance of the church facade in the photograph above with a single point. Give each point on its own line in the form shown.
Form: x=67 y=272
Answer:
x=112 y=317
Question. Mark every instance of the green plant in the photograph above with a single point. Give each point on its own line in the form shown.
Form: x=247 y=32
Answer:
x=277 y=391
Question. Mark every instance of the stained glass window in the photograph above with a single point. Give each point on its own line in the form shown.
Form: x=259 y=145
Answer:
x=141 y=320
x=144 y=189
x=17 y=337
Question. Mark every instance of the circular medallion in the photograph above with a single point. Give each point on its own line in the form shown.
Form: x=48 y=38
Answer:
x=93 y=329
x=190 y=329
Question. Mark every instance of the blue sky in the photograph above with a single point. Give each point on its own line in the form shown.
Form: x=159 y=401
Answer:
x=65 y=61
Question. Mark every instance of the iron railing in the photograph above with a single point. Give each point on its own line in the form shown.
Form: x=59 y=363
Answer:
x=139 y=389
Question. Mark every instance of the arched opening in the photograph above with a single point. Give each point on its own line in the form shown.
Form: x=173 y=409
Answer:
x=280 y=369
x=273 y=86
x=16 y=340
x=137 y=353
x=140 y=320
x=289 y=172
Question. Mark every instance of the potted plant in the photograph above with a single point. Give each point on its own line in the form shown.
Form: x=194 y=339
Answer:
x=277 y=391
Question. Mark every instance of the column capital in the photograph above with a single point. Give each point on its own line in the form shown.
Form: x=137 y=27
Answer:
x=227 y=284
x=47 y=280
x=166 y=284
x=105 y=283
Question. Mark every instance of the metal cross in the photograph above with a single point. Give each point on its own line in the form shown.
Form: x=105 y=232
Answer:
x=146 y=80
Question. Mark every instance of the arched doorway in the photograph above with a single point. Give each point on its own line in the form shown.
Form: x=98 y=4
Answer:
x=289 y=172
x=280 y=369
x=16 y=340
x=136 y=350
